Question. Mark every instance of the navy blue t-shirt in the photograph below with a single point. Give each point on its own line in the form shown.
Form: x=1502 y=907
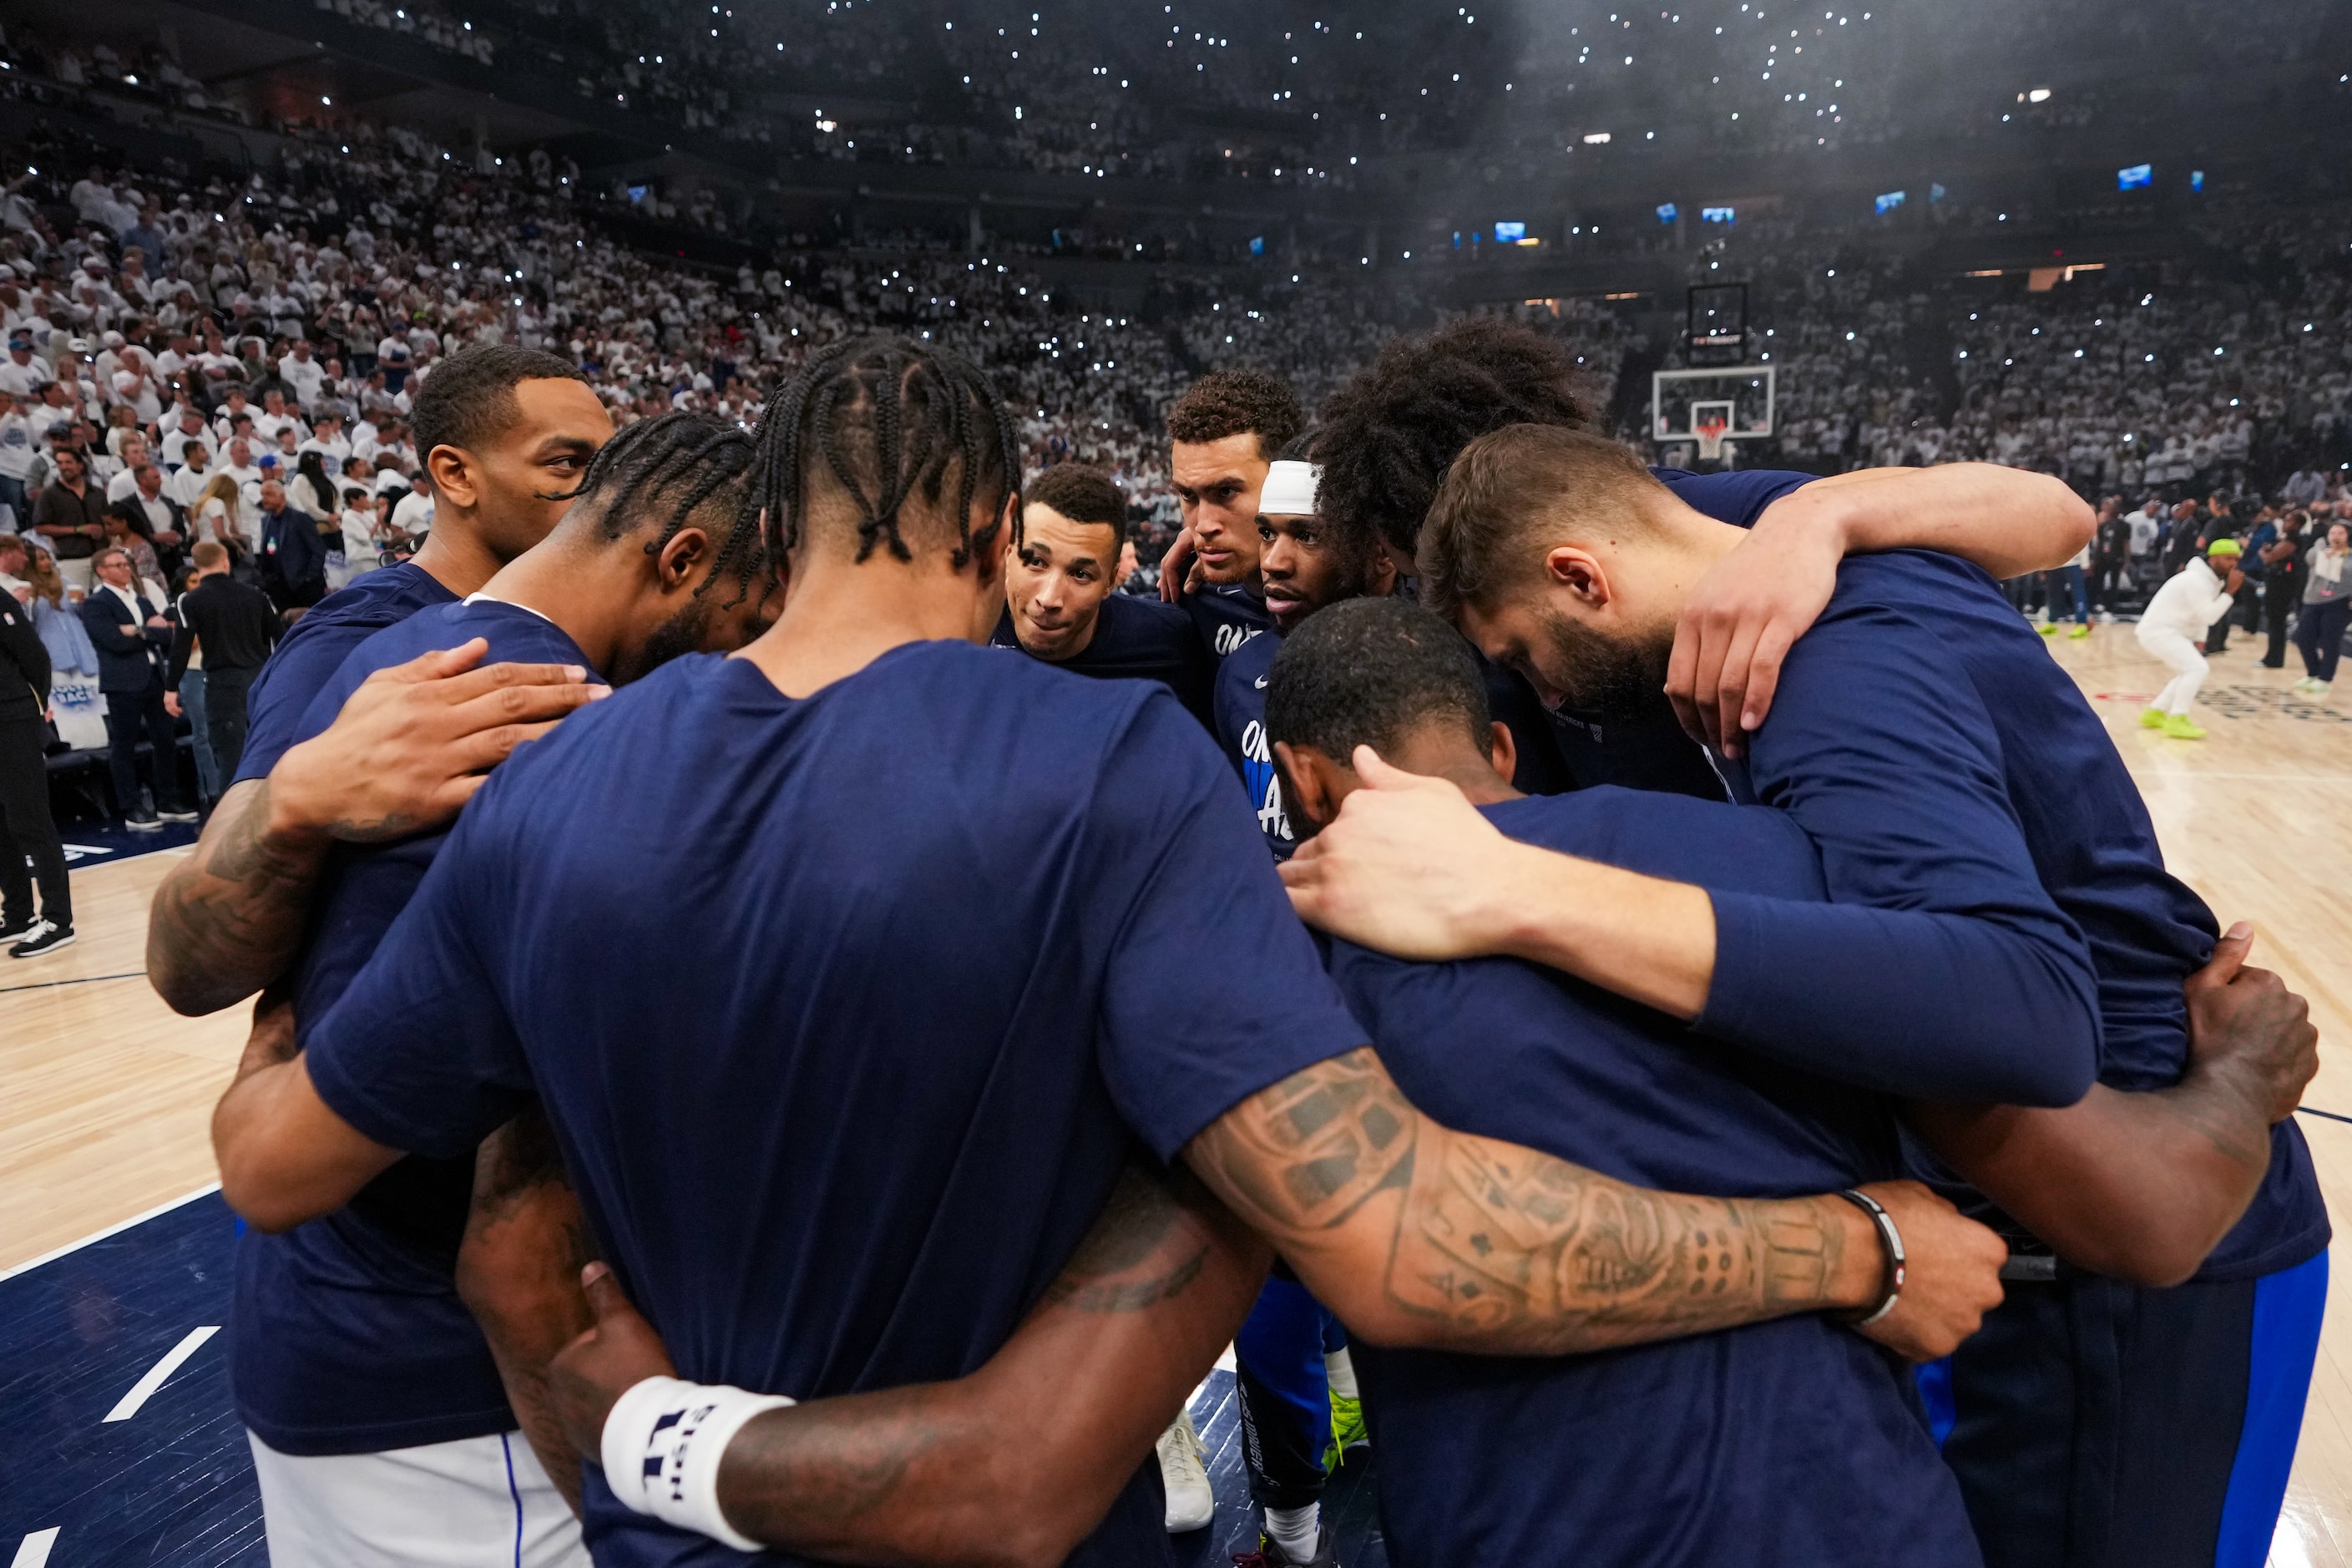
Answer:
x=1238 y=717
x=1988 y=849
x=348 y=1336
x=1225 y=615
x=316 y=647
x=1136 y=639
x=846 y=1009
x=1793 y=1442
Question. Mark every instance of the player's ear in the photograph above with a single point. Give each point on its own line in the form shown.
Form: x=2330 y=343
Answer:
x=1312 y=785
x=452 y=472
x=688 y=552
x=1579 y=572
x=1506 y=756
x=991 y=563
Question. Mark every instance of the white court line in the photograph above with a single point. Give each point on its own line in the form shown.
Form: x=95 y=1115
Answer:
x=2269 y=778
x=34 y=1552
x=27 y=1266
x=142 y=1391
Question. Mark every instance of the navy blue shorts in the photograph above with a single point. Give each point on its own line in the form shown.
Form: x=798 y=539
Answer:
x=2099 y=1425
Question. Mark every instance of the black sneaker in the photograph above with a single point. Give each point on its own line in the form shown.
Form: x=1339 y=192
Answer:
x=45 y=938
x=143 y=824
x=17 y=930
x=180 y=814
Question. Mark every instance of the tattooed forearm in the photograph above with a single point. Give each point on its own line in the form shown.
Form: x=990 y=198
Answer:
x=227 y=920
x=1017 y=1462
x=1499 y=1240
x=1478 y=1245
x=1139 y=1252
x=814 y=1476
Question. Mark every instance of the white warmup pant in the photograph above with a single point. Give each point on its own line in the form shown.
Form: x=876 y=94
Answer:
x=2180 y=657
x=479 y=1502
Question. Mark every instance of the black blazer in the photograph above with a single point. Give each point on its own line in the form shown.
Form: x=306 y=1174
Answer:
x=125 y=663
x=292 y=547
x=131 y=512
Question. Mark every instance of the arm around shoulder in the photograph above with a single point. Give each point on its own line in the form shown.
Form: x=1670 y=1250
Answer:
x=2007 y=520
x=1418 y=1235
x=1016 y=1463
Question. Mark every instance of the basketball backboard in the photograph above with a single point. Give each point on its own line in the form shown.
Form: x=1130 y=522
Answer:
x=1709 y=406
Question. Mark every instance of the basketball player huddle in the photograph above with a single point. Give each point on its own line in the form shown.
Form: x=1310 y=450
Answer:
x=793 y=1018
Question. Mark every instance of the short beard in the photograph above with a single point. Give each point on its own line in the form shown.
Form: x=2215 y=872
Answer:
x=1607 y=677
x=683 y=633
x=1354 y=581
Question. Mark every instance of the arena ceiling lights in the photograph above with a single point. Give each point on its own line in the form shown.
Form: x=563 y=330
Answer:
x=1596 y=139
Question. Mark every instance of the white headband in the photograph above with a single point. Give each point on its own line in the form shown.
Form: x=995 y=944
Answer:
x=1289 y=489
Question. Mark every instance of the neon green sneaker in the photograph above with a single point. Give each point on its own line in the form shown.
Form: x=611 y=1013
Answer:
x=2048 y=629
x=2082 y=629
x=2180 y=729
x=2153 y=717
x=1347 y=1431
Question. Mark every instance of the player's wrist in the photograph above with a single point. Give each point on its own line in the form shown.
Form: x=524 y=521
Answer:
x=661 y=1449
x=1858 y=1275
x=1529 y=907
x=301 y=799
x=1886 y=1245
x=1825 y=516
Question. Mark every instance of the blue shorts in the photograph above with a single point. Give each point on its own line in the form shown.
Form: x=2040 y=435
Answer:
x=2099 y=1425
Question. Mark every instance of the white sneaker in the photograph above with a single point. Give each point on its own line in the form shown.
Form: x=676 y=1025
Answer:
x=1192 y=1503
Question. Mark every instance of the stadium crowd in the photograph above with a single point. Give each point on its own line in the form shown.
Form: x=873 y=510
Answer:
x=217 y=353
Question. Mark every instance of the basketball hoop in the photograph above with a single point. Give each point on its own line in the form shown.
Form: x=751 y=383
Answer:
x=1710 y=437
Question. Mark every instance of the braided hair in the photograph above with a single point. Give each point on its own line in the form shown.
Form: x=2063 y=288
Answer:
x=890 y=417
x=685 y=462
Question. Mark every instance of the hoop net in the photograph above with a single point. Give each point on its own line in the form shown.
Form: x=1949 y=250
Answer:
x=1710 y=437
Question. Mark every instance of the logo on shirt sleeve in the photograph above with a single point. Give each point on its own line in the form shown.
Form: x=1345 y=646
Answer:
x=1264 y=782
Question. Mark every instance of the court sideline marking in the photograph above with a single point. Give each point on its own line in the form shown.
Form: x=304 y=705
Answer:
x=160 y=1373
x=98 y=1235
x=33 y=1552
x=83 y=979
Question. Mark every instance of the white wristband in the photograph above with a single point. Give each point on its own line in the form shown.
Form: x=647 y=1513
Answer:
x=662 y=1445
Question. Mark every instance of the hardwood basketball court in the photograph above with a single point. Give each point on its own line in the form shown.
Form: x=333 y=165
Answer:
x=108 y=1094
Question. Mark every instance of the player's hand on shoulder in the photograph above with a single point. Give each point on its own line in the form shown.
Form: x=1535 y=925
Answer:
x=1408 y=867
x=1951 y=1273
x=1172 y=567
x=1739 y=621
x=2245 y=1028
x=619 y=1352
x=415 y=741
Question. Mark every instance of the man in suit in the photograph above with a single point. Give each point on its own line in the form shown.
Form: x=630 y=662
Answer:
x=132 y=636
x=293 y=555
x=148 y=509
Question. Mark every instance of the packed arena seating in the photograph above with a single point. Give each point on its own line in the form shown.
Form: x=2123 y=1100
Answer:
x=2229 y=372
